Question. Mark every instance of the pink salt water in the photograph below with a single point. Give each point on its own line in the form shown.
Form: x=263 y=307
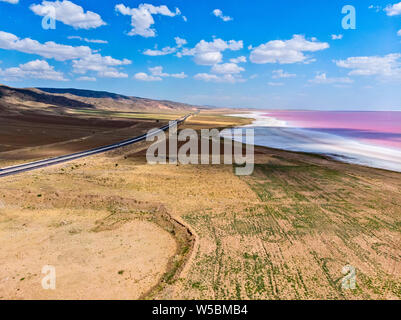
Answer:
x=382 y=128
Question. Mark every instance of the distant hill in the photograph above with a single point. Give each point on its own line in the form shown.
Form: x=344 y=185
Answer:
x=84 y=93
x=58 y=100
x=19 y=96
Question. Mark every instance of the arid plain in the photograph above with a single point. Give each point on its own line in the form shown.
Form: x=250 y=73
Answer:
x=116 y=227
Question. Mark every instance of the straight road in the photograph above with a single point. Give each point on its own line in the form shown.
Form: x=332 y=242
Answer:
x=52 y=161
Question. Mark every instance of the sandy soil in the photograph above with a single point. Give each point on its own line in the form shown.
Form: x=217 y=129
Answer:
x=120 y=263
x=83 y=219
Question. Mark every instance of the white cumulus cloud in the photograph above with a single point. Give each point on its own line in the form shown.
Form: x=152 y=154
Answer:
x=104 y=66
x=210 y=53
x=162 y=52
x=142 y=17
x=36 y=69
x=336 y=36
x=50 y=49
x=86 y=79
x=277 y=74
x=87 y=40
x=158 y=71
x=11 y=1
x=157 y=74
x=228 y=78
x=393 y=10
x=69 y=13
x=240 y=59
x=142 y=76
x=322 y=78
x=206 y=77
x=84 y=58
x=286 y=52
x=384 y=66
x=376 y=8
x=218 y=13
x=166 y=50
x=180 y=42
x=180 y=75
x=227 y=68
x=208 y=58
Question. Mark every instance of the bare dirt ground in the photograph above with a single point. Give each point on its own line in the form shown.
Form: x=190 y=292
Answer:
x=103 y=242
x=285 y=232
x=42 y=136
x=121 y=263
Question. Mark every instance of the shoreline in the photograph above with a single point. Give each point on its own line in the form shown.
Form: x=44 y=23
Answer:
x=277 y=134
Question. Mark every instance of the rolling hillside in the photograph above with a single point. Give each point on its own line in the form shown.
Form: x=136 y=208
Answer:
x=59 y=101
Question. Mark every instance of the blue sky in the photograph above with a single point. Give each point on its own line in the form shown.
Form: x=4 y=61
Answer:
x=265 y=54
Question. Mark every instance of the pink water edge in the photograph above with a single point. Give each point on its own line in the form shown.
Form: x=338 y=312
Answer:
x=381 y=128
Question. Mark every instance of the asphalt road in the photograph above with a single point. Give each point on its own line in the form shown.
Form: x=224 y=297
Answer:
x=57 y=160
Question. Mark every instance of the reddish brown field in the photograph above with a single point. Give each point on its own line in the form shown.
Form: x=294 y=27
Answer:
x=36 y=136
